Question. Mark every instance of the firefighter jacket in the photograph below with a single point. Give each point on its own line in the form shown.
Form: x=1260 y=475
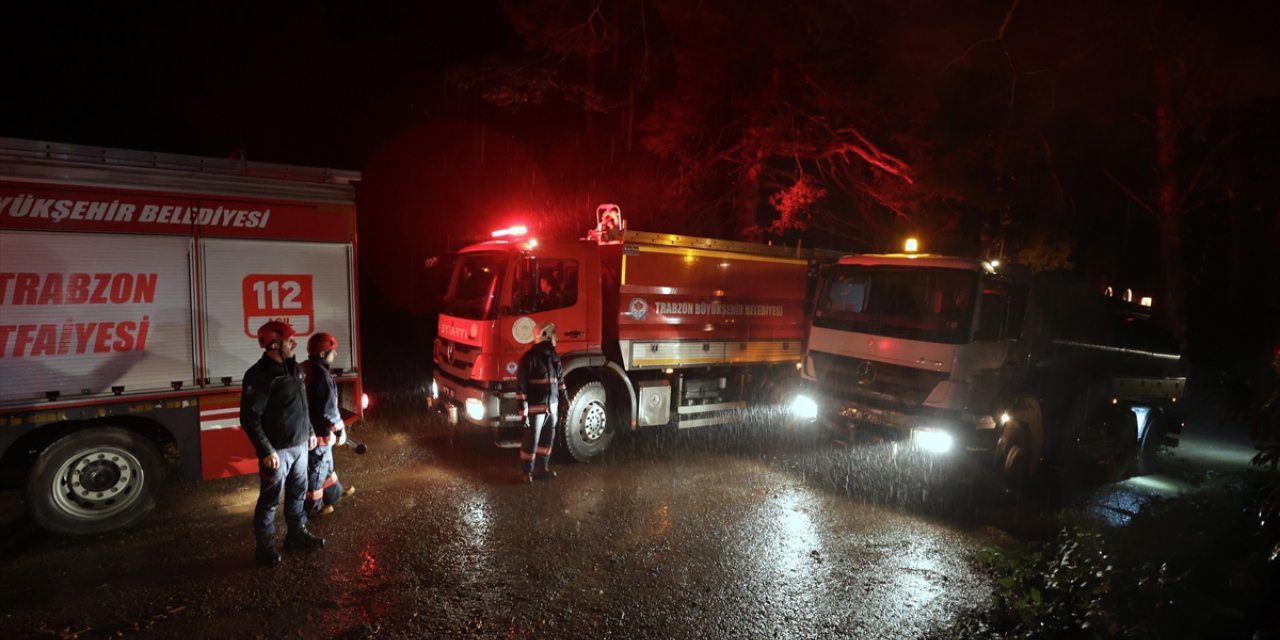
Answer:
x=539 y=377
x=322 y=399
x=273 y=406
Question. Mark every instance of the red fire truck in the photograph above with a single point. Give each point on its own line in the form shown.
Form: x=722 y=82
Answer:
x=131 y=288
x=654 y=329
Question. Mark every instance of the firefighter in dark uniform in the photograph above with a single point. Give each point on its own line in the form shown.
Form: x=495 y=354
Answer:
x=323 y=488
x=273 y=414
x=540 y=388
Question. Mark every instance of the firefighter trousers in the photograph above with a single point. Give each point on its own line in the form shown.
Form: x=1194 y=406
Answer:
x=323 y=486
x=539 y=435
x=291 y=477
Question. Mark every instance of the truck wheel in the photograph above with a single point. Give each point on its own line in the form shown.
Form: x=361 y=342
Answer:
x=1014 y=456
x=1016 y=451
x=1152 y=439
x=1121 y=430
x=93 y=481
x=587 y=431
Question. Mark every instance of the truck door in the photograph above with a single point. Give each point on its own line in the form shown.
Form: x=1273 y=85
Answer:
x=554 y=290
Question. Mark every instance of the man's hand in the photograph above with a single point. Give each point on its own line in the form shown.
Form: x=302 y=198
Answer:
x=312 y=441
x=342 y=437
x=272 y=461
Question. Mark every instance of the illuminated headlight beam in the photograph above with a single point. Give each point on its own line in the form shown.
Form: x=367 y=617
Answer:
x=932 y=440
x=804 y=407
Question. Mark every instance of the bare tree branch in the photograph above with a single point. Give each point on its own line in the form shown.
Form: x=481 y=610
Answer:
x=1132 y=196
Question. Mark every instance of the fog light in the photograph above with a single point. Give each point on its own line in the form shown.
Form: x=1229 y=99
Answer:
x=475 y=409
x=435 y=389
x=364 y=401
x=804 y=408
x=933 y=440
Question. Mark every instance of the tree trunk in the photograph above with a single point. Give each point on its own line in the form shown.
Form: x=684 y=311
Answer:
x=1169 y=201
x=747 y=199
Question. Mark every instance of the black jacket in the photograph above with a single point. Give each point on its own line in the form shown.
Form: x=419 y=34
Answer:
x=322 y=396
x=539 y=379
x=273 y=406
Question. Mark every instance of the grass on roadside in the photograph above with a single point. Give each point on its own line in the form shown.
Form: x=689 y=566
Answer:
x=1194 y=565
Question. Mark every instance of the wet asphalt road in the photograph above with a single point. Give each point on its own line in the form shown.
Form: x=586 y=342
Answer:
x=748 y=532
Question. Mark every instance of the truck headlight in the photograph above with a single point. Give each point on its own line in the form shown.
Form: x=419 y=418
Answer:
x=804 y=407
x=475 y=409
x=932 y=439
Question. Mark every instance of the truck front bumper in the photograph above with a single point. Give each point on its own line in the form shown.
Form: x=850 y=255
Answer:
x=462 y=402
x=933 y=429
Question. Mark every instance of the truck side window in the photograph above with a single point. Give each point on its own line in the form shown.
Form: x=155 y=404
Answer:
x=848 y=296
x=1003 y=306
x=557 y=284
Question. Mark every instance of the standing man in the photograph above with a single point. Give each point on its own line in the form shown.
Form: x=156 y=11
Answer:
x=539 y=388
x=273 y=414
x=323 y=488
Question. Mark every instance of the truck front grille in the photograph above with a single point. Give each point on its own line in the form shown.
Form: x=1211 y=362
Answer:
x=455 y=357
x=850 y=378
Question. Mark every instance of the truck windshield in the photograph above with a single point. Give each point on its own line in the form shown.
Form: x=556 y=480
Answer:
x=931 y=304
x=475 y=286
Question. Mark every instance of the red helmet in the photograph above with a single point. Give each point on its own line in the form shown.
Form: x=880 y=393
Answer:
x=274 y=330
x=321 y=342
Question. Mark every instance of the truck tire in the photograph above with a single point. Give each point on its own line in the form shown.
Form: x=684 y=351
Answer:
x=1015 y=458
x=587 y=431
x=1152 y=440
x=93 y=481
x=1016 y=451
x=1121 y=429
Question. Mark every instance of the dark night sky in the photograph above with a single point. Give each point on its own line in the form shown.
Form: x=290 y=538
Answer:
x=301 y=83
x=365 y=86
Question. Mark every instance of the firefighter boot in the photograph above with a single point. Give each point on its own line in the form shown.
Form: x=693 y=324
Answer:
x=266 y=553
x=526 y=477
x=545 y=474
x=299 y=539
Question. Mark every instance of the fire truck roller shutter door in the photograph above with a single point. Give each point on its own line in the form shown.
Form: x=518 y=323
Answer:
x=93 y=311
x=248 y=282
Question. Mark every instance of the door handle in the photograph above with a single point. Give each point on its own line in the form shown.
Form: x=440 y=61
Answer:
x=574 y=334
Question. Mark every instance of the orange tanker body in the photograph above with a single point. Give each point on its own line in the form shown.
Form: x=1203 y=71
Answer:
x=654 y=329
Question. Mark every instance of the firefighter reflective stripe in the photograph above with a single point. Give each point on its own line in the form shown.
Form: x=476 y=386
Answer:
x=525 y=455
x=550 y=380
x=318 y=494
x=537 y=408
x=542 y=451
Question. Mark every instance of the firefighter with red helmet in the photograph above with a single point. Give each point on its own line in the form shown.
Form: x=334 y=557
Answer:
x=273 y=414
x=323 y=488
x=539 y=390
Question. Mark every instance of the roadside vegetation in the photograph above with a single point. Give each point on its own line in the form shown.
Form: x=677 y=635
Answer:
x=1204 y=563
